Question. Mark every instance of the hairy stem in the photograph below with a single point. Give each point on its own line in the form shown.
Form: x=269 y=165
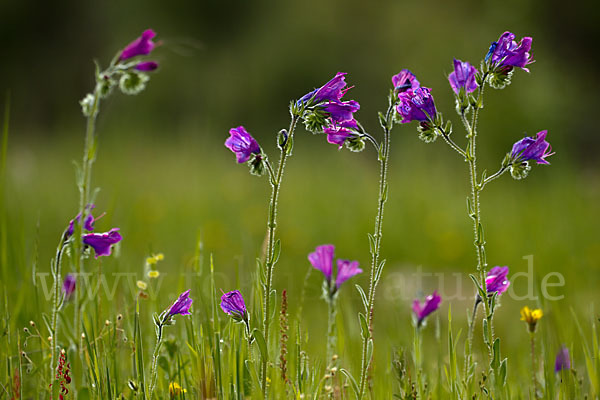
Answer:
x=89 y=155
x=56 y=269
x=270 y=256
x=155 y=354
x=331 y=336
x=383 y=188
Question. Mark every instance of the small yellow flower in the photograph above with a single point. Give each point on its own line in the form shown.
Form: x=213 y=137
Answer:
x=154 y=258
x=531 y=317
x=142 y=285
x=175 y=389
x=153 y=273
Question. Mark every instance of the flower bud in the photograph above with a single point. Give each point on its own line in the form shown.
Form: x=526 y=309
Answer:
x=427 y=132
x=520 y=170
x=133 y=82
x=355 y=143
x=87 y=105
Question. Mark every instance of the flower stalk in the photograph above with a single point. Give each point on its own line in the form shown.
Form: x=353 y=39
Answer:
x=272 y=250
x=56 y=306
x=387 y=123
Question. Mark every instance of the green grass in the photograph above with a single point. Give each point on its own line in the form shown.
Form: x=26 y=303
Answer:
x=188 y=199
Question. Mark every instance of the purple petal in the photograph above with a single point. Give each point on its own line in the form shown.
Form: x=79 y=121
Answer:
x=346 y=269
x=405 y=80
x=342 y=111
x=416 y=105
x=530 y=148
x=140 y=46
x=102 y=242
x=432 y=303
x=232 y=303
x=463 y=76
x=563 y=361
x=497 y=280
x=242 y=144
x=182 y=305
x=146 y=66
x=68 y=286
x=322 y=259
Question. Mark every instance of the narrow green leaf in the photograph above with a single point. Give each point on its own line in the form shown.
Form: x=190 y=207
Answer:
x=371 y=243
x=276 y=251
x=353 y=383
x=363 y=297
x=260 y=341
x=364 y=328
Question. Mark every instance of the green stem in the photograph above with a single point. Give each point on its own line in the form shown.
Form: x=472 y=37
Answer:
x=153 y=371
x=419 y=358
x=468 y=356
x=331 y=336
x=56 y=269
x=84 y=197
x=490 y=178
x=533 y=364
x=270 y=262
x=383 y=187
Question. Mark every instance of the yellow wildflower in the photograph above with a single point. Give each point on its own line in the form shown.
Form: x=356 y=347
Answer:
x=531 y=317
x=142 y=285
x=153 y=273
x=175 y=389
x=154 y=258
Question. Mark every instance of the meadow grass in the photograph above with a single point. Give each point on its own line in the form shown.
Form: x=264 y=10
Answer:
x=186 y=199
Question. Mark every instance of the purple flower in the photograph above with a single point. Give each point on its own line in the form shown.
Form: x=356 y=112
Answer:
x=497 y=280
x=431 y=304
x=232 y=303
x=242 y=144
x=182 y=305
x=68 y=286
x=88 y=224
x=346 y=269
x=404 y=81
x=463 y=76
x=102 y=242
x=337 y=134
x=563 y=360
x=331 y=91
x=322 y=259
x=139 y=47
x=531 y=148
x=342 y=111
x=416 y=105
x=506 y=52
x=146 y=66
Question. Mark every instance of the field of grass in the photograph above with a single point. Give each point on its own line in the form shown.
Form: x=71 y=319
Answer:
x=186 y=198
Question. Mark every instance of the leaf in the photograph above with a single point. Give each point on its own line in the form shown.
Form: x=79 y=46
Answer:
x=363 y=297
x=276 y=251
x=371 y=243
x=353 y=383
x=364 y=328
x=378 y=272
x=260 y=341
x=482 y=293
x=502 y=372
x=369 y=351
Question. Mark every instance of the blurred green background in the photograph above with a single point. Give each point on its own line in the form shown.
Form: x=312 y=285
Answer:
x=166 y=179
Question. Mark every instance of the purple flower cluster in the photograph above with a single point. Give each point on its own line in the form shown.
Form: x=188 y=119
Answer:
x=422 y=310
x=506 y=52
x=532 y=148
x=339 y=123
x=142 y=46
x=322 y=259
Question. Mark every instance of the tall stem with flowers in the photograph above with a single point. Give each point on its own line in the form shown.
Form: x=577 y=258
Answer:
x=497 y=68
